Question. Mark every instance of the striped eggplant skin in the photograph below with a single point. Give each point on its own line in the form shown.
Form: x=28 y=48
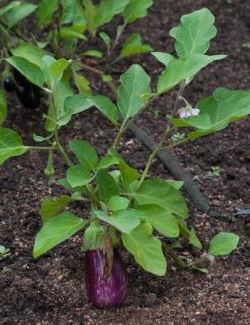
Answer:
x=105 y=291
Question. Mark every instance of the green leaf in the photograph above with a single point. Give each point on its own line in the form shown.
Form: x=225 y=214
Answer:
x=74 y=105
x=146 y=250
x=107 y=161
x=8 y=7
x=189 y=235
x=133 y=46
x=31 y=71
x=93 y=236
x=179 y=70
x=107 y=10
x=134 y=86
x=45 y=11
x=18 y=13
x=90 y=15
x=57 y=69
x=128 y=174
x=10 y=145
x=161 y=219
x=85 y=153
x=61 y=92
x=77 y=176
x=30 y=52
x=106 y=107
x=107 y=187
x=123 y=220
x=56 y=230
x=194 y=33
x=82 y=84
x=117 y=203
x=162 y=57
x=217 y=112
x=39 y=138
x=163 y=194
x=73 y=32
x=51 y=207
x=136 y=9
x=69 y=10
x=79 y=103
x=106 y=39
x=3 y=107
x=223 y=244
x=93 y=53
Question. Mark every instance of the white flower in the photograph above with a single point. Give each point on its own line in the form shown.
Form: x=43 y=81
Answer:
x=188 y=111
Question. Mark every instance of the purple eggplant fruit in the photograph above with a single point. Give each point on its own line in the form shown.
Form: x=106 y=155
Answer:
x=105 y=290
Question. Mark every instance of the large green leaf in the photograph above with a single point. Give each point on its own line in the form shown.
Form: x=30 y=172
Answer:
x=107 y=10
x=163 y=194
x=85 y=153
x=194 y=33
x=107 y=187
x=146 y=250
x=31 y=71
x=56 y=230
x=11 y=145
x=18 y=13
x=123 y=220
x=136 y=9
x=51 y=207
x=77 y=176
x=217 y=111
x=79 y=103
x=161 y=219
x=46 y=11
x=74 y=105
x=30 y=52
x=3 y=107
x=133 y=46
x=179 y=70
x=223 y=244
x=131 y=93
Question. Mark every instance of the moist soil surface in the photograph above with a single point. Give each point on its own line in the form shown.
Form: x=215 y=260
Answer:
x=51 y=289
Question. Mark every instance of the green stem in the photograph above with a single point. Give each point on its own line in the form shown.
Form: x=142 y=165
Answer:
x=61 y=149
x=153 y=154
x=174 y=256
x=39 y=148
x=119 y=134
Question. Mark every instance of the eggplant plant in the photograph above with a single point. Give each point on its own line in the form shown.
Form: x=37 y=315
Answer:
x=127 y=209
x=72 y=21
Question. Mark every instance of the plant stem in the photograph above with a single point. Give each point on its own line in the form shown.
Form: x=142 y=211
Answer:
x=39 y=148
x=174 y=256
x=89 y=68
x=153 y=154
x=117 y=37
x=61 y=149
x=119 y=134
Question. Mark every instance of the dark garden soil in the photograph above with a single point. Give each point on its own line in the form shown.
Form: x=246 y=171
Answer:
x=51 y=290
